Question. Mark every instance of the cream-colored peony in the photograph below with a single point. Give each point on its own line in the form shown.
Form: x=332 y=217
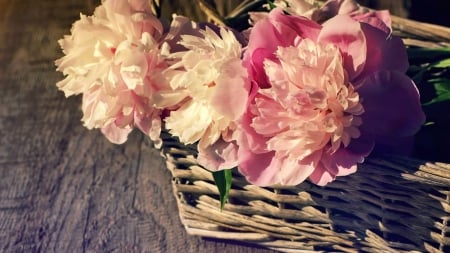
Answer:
x=211 y=71
x=114 y=59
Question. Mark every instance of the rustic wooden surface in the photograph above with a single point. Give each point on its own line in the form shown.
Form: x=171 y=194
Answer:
x=64 y=188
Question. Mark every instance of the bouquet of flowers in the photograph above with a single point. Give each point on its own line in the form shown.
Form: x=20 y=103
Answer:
x=299 y=92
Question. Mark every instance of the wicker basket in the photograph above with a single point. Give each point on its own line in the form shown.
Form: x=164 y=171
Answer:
x=392 y=204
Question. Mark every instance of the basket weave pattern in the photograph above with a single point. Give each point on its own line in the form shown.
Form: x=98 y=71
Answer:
x=390 y=205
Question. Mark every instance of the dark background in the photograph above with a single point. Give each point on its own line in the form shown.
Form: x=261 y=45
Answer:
x=431 y=11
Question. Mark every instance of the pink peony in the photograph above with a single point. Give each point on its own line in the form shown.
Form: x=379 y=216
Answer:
x=114 y=59
x=327 y=94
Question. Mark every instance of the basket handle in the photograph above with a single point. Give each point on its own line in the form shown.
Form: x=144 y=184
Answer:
x=426 y=33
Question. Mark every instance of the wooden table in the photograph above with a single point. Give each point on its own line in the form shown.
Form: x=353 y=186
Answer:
x=64 y=188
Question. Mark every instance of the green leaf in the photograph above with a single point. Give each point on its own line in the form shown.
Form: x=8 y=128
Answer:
x=442 y=87
x=222 y=178
x=445 y=63
x=271 y=5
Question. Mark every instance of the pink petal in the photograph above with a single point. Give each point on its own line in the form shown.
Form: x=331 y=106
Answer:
x=150 y=24
x=260 y=48
x=122 y=120
x=380 y=20
x=392 y=105
x=116 y=134
x=270 y=33
x=221 y=155
x=385 y=16
x=134 y=69
x=291 y=27
x=231 y=93
x=266 y=35
x=294 y=174
x=150 y=124
x=346 y=34
x=247 y=138
x=253 y=167
x=321 y=176
x=383 y=52
x=267 y=169
x=343 y=162
x=255 y=66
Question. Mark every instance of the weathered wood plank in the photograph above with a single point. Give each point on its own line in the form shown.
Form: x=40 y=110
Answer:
x=64 y=188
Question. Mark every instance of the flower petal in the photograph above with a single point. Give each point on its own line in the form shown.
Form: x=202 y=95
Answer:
x=290 y=27
x=383 y=51
x=254 y=167
x=347 y=35
x=247 y=136
x=150 y=124
x=380 y=20
x=231 y=91
x=321 y=176
x=116 y=134
x=266 y=169
x=218 y=156
x=295 y=172
x=391 y=117
x=270 y=33
x=343 y=162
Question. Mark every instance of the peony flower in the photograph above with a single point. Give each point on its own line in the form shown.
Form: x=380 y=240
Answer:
x=114 y=59
x=327 y=95
x=212 y=73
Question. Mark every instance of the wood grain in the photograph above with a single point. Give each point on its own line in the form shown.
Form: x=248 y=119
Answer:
x=64 y=188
